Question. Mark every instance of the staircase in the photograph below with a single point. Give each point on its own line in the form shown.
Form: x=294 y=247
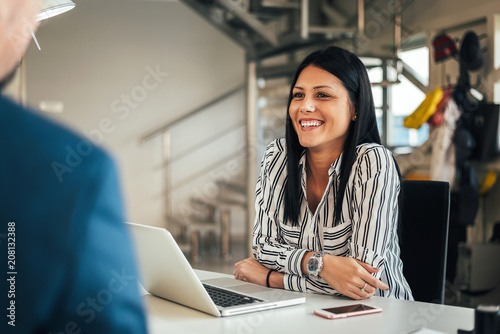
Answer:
x=266 y=27
x=203 y=166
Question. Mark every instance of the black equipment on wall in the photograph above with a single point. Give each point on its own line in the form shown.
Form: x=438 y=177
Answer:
x=484 y=128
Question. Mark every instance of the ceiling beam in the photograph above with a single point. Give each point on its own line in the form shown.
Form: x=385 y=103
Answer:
x=249 y=21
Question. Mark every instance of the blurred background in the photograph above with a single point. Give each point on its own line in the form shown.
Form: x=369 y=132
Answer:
x=186 y=94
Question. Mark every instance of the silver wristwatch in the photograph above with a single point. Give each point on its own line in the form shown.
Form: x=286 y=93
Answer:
x=315 y=264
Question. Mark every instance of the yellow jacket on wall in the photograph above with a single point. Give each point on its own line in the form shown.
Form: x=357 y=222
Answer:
x=425 y=110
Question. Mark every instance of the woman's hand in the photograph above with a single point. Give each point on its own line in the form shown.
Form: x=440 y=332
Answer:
x=351 y=277
x=250 y=270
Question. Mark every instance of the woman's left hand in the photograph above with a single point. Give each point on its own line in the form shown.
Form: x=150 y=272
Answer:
x=250 y=270
x=351 y=277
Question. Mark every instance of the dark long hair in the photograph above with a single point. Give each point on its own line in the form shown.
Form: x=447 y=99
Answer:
x=350 y=70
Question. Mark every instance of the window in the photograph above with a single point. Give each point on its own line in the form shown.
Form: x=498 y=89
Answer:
x=401 y=98
x=375 y=74
x=405 y=98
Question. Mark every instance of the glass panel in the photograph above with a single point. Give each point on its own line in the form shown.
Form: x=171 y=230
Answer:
x=378 y=114
x=417 y=59
x=375 y=74
x=408 y=137
x=369 y=61
x=377 y=96
x=405 y=97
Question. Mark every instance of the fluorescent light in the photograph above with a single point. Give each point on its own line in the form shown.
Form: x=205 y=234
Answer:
x=55 y=107
x=50 y=8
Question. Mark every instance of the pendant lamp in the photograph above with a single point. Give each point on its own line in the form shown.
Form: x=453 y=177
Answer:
x=50 y=8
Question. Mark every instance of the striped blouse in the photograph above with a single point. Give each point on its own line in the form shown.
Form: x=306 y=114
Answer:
x=367 y=230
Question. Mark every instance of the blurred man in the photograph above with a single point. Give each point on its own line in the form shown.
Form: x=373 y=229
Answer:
x=67 y=262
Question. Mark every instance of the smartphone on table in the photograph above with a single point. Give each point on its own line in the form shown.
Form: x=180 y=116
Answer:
x=347 y=311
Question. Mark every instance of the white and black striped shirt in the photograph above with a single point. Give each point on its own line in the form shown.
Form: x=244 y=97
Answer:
x=367 y=230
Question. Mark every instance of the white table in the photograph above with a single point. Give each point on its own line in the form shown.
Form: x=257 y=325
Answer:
x=398 y=316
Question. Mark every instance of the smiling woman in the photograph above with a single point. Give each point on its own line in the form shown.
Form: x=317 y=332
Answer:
x=327 y=196
x=320 y=114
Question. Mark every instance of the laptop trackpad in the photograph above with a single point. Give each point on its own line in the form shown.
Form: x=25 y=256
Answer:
x=235 y=285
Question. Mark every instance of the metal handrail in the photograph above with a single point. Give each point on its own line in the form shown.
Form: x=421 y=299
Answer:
x=205 y=170
x=167 y=160
x=164 y=128
x=209 y=140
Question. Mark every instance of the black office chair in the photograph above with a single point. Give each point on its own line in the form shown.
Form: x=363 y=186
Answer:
x=424 y=238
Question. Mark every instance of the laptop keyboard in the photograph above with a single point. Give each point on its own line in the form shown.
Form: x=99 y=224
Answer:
x=226 y=298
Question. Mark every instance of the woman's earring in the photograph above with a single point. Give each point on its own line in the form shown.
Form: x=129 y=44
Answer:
x=355 y=116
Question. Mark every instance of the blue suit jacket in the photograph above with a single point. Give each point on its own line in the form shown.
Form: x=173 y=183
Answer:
x=67 y=264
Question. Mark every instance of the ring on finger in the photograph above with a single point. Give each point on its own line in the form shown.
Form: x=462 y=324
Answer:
x=363 y=288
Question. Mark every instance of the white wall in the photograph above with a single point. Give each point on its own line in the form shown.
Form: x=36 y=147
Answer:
x=98 y=59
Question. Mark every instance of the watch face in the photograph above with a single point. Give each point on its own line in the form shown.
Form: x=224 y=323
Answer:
x=312 y=264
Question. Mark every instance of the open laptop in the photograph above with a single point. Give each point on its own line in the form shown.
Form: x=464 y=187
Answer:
x=166 y=273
